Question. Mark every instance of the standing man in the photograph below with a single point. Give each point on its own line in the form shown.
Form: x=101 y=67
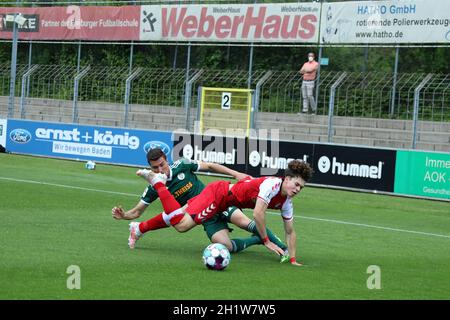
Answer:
x=309 y=72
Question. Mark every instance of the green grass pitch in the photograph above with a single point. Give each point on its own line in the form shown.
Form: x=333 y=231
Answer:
x=55 y=214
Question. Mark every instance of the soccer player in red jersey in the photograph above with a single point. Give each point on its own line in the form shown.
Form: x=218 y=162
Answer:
x=259 y=194
x=183 y=184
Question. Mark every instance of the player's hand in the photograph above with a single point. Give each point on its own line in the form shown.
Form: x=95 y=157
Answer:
x=298 y=264
x=273 y=247
x=117 y=213
x=242 y=176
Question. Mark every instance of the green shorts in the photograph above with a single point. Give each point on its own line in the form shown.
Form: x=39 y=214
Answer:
x=218 y=222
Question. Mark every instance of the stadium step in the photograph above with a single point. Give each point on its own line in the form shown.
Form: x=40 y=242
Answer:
x=99 y=122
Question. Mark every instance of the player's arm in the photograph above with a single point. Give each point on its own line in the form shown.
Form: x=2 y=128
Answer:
x=259 y=214
x=119 y=214
x=291 y=240
x=218 y=168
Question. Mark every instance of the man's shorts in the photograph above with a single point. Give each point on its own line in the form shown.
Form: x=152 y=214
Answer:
x=218 y=222
x=210 y=201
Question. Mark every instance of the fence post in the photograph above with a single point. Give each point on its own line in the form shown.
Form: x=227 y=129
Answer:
x=316 y=97
x=394 y=85
x=187 y=97
x=416 y=107
x=199 y=102
x=331 y=105
x=187 y=93
x=250 y=62
x=250 y=67
x=257 y=98
x=24 y=92
x=75 y=93
x=127 y=94
x=12 y=83
x=30 y=51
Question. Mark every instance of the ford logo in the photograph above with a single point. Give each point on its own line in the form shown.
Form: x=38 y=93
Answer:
x=157 y=144
x=20 y=136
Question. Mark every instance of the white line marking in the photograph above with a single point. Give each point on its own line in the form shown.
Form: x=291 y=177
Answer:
x=69 y=187
x=270 y=211
x=375 y=227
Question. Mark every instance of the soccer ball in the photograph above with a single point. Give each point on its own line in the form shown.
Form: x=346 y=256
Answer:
x=90 y=165
x=216 y=256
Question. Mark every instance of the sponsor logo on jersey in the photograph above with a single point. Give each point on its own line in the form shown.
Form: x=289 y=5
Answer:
x=157 y=144
x=20 y=136
x=183 y=189
x=181 y=176
x=350 y=169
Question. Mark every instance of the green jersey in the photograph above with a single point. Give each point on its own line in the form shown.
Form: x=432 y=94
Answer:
x=182 y=182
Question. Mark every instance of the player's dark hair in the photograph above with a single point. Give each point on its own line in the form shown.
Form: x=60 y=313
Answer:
x=297 y=168
x=154 y=154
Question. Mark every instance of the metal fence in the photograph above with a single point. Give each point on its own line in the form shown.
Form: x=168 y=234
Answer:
x=51 y=81
x=159 y=87
x=408 y=96
x=367 y=95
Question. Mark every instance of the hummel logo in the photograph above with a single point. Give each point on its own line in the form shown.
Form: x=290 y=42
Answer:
x=205 y=212
x=149 y=18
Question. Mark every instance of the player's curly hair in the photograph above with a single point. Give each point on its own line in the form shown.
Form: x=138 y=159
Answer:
x=154 y=154
x=297 y=168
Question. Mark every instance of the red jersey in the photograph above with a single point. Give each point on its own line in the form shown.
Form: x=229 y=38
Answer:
x=268 y=189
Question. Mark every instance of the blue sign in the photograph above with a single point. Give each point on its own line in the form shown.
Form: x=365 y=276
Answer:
x=103 y=144
x=324 y=61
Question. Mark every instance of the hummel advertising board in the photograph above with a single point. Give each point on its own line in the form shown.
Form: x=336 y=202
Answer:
x=351 y=167
x=102 y=144
x=227 y=151
x=354 y=167
x=270 y=157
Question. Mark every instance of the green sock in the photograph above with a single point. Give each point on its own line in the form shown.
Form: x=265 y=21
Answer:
x=241 y=244
x=272 y=237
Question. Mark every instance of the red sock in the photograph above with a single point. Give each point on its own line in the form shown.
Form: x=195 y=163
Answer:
x=176 y=219
x=167 y=199
x=154 y=223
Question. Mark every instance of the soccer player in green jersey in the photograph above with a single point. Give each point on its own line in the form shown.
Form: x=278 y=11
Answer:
x=183 y=183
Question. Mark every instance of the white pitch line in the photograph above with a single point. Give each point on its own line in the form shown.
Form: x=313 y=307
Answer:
x=69 y=187
x=374 y=227
x=272 y=213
